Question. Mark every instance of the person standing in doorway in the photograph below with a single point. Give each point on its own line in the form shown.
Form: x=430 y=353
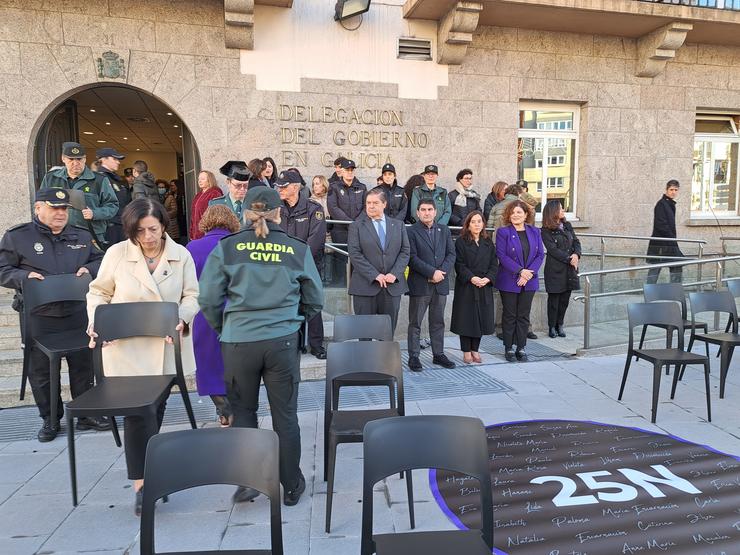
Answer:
x=208 y=190
x=110 y=161
x=237 y=179
x=145 y=185
x=664 y=225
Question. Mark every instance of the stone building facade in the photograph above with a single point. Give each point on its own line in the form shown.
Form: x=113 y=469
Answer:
x=304 y=89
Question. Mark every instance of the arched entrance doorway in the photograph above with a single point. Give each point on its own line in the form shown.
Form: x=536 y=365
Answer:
x=132 y=121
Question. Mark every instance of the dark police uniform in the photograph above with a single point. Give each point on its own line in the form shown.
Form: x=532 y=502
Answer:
x=256 y=294
x=395 y=196
x=114 y=233
x=32 y=247
x=306 y=221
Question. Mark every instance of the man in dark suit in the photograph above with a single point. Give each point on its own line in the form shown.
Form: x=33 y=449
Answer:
x=432 y=255
x=379 y=251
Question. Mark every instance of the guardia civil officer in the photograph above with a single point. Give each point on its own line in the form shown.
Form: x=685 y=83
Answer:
x=346 y=202
x=394 y=194
x=257 y=288
x=109 y=161
x=100 y=200
x=303 y=218
x=237 y=179
x=49 y=246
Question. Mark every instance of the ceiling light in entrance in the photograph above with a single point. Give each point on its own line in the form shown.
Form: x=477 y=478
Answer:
x=92 y=110
x=88 y=133
x=345 y=9
x=99 y=141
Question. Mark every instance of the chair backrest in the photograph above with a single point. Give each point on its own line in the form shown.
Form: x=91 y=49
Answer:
x=455 y=443
x=186 y=459
x=734 y=286
x=653 y=292
x=371 y=360
x=665 y=314
x=53 y=289
x=362 y=326
x=714 y=301
x=143 y=319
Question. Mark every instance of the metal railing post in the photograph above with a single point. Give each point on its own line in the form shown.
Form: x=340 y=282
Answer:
x=349 y=297
x=699 y=256
x=717 y=287
x=602 y=263
x=587 y=313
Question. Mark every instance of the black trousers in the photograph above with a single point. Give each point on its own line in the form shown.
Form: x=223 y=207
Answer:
x=382 y=303
x=469 y=344
x=418 y=306
x=277 y=363
x=137 y=431
x=557 y=304
x=515 y=321
x=80 y=363
x=316 y=331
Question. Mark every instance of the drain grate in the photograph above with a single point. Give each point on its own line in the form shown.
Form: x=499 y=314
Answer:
x=22 y=423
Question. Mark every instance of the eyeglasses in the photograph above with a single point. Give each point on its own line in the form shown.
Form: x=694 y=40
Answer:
x=239 y=185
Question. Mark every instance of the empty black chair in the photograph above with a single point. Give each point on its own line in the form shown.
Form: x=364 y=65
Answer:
x=456 y=443
x=127 y=395
x=365 y=363
x=668 y=316
x=654 y=292
x=52 y=289
x=177 y=461
x=722 y=302
x=734 y=286
x=362 y=326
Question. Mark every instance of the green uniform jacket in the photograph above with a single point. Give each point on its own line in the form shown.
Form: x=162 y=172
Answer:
x=255 y=289
x=441 y=202
x=225 y=200
x=100 y=198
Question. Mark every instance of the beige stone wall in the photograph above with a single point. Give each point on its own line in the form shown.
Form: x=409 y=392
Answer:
x=635 y=132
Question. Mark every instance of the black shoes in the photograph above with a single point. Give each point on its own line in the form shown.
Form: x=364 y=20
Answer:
x=101 y=424
x=442 y=360
x=500 y=335
x=509 y=355
x=291 y=497
x=414 y=364
x=560 y=331
x=319 y=352
x=48 y=431
x=552 y=333
x=531 y=335
x=521 y=356
x=243 y=494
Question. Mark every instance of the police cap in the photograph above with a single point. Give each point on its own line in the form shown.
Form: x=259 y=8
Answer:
x=388 y=168
x=522 y=183
x=128 y=172
x=73 y=150
x=431 y=168
x=262 y=199
x=348 y=164
x=287 y=177
x=106 y=152
x=52 y=196
x=236 y=170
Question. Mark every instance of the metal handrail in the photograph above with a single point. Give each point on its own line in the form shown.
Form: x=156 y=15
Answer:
x=642 y=238
x=587 y=296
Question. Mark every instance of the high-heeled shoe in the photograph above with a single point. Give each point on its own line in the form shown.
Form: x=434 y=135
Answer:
x=467 y=358
x=476 y=357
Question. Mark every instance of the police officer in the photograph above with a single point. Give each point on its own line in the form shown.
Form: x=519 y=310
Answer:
x=101 y=202
x=394 y=194
x=109 y=161
x=256 y=289
x=303 y=218
x=49 y=246
x=346 y=201
x=237 y=178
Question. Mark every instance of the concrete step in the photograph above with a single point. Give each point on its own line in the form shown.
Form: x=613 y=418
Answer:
x=11 y=362
x=10 y=337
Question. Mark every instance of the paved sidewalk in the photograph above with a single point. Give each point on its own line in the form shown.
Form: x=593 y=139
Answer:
x=36 y=514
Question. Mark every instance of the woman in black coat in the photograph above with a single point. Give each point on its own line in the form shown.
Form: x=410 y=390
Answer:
x=561 y=264
x=463 y=198
x=472 y=307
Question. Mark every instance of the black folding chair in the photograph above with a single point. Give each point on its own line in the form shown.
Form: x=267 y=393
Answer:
x=654 y=292
x=456 y=443
x=359 y=364
x=734 y=286
x=722 y=302
x=362 y=326
x=52 y=289
x=187 y=459
x=668 y=316
x=128 y=395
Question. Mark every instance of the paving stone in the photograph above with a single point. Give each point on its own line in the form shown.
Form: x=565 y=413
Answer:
x=33 y=515
x=115 y=528
x=6 y=490
x=295 y=537
x=21 y=546
x=16 y=467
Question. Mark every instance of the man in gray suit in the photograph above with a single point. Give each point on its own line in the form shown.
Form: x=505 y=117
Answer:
x=379 y=251
x=431 y=259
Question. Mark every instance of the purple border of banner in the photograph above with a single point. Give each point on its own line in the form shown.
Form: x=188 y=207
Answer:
x=456 y=521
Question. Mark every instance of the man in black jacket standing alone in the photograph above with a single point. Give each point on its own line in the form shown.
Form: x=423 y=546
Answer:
x=664 y=225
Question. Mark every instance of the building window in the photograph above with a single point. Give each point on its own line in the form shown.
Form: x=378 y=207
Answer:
x=714 y=186
x=547 y=148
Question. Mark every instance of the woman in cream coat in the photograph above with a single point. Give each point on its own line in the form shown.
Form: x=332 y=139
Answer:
x=150 y=266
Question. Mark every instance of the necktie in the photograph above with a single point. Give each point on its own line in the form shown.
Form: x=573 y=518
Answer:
x=238 y=208
x=381 y=233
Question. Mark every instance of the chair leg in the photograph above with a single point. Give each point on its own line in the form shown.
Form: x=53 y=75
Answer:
x=709 y=397
x=410 y=492
x=668 y=345
x=723 y=367
x=656 y=388
x=642 y=336
x=71 y=451
x=676 y=374
x=624 y=376
x=55 y=364
x=326 y=453
x=330 y=481
x=186 y=401
x=114 y=429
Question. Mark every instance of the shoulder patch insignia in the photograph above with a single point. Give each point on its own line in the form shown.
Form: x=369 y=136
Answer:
x=38 y=247
x=319 y=215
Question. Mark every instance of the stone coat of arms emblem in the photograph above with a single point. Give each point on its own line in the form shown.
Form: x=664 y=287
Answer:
x=111 y=66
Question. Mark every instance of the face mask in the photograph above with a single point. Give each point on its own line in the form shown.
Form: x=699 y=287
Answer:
x=162 y=190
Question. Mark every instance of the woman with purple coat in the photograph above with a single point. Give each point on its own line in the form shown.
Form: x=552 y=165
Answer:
x=520 y=253
x=217 y=222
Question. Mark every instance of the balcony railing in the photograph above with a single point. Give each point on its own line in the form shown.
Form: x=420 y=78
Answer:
x=714 y=4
